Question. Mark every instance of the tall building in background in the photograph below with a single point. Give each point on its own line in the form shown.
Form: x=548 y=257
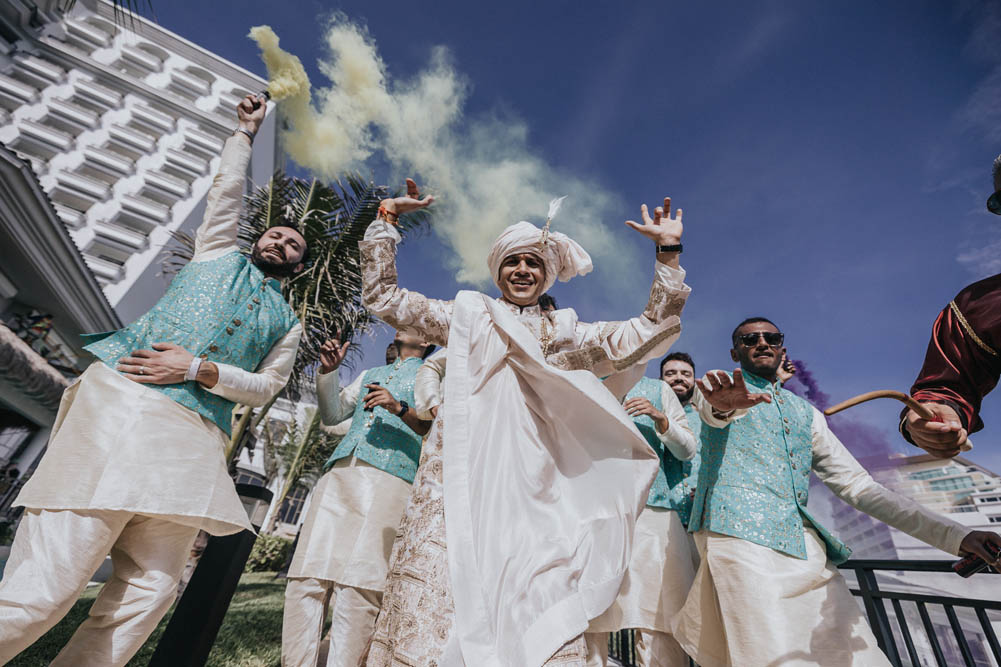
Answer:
x=123 y=125
x=110 y=134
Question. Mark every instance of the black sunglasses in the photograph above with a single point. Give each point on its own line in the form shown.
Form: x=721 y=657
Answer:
x=994 y=203
x=772 y=338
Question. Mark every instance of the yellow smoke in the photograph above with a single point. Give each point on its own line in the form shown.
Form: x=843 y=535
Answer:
x=481 y=170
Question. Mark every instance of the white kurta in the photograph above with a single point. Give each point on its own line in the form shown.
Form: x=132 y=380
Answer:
x=813 y=618
x=117 y=445
x=570 y=508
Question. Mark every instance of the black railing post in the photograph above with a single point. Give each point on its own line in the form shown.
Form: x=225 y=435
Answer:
x=879 y=621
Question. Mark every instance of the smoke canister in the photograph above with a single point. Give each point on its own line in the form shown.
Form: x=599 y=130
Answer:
x=969 y=565
x=370 y=409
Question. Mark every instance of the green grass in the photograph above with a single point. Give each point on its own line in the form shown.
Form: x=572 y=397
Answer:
x=250 y=635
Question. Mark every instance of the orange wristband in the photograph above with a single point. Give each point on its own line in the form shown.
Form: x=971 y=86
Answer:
x=391 y=218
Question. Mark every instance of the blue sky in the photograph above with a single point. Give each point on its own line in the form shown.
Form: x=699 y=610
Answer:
x=833 y=159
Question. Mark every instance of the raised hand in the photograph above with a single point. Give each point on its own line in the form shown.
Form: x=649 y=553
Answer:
x=642 y=406
x=250 y=111
x=942 y=439
x=412 y=201
x=662 y=228
x=786 y=370
x=726 y=395
x=332 y=354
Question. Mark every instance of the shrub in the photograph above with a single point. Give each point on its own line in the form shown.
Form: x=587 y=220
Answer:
x=269 y=554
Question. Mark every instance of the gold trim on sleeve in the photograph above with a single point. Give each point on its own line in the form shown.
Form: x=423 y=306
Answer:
x=969 y=330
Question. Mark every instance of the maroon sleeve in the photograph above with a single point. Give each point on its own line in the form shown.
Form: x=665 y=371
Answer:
x=962 y=363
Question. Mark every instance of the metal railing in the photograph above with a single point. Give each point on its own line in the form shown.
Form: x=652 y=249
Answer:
x=914 y=614
x=923 y=629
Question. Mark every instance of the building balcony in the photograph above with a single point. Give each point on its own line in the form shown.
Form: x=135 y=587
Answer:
x=142 y=59
x=40 y=140
x=188 y=85
x=146 y=209
x=86 y=36
x=70 y=217
x=92 y=94
x=202 y=143
x=148 y=118
x=105 y=271
x=77 y=191
x=185 y=165
x=70 y=118
x=163 y=188
x=127 y=239
x=104 y=165
x=44 y=72
x=129 y=142
x=14 y=93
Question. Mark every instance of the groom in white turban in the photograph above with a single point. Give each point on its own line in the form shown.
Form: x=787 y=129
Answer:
x=519 y=526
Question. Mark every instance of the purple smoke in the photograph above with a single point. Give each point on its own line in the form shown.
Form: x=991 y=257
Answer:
x=863 y=440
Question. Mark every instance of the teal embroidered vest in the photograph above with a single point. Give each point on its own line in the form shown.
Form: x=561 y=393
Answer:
x=380 y=437
x=690 y=469
x=754 y=481
x=222 y=310
x=666 y=491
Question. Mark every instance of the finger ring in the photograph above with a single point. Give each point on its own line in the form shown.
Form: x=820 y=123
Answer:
x=142 y=370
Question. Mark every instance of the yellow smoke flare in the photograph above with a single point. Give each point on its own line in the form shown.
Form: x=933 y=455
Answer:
x=286 y=75
x=480 y=169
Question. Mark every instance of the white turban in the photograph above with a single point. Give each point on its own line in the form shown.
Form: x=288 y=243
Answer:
x=563 y=257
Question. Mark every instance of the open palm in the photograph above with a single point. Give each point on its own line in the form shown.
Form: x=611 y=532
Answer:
x=661 y=228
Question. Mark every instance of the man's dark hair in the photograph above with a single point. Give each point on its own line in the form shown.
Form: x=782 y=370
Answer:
x=749 y=320
x=677 y=356
x=546 y=302
x=291 y=225
x=428 y=351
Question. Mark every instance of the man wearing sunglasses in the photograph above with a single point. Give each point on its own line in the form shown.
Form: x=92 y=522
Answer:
x=767 y=591
x=962 y=364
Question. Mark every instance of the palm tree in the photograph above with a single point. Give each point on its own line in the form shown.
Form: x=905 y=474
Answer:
x=300 y=456
x=326 y=296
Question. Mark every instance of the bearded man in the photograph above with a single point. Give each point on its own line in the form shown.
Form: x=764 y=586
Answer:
x=521 y=534
x=135 y=463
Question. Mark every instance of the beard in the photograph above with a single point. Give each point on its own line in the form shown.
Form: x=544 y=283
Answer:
x=687 y=396
x=270 y=267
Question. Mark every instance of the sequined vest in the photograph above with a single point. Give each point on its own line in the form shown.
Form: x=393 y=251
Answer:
x=380 y=437
x=665 y=491
x=754 y=481
x=222 y=310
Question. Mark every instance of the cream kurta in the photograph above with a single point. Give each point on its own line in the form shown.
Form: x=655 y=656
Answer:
x=539 y=472
x=117 y=445
x=350 y=526
x=812 y=618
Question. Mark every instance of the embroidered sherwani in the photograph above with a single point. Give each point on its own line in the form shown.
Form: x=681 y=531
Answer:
x=539 y=455
x=767 y=591
x=660 y=570
x=343 y=551
x=135 y=470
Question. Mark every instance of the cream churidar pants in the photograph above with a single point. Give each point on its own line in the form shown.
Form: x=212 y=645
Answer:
x=342 y=559
x=54 y=555
x=754 y=606
x=352 y=621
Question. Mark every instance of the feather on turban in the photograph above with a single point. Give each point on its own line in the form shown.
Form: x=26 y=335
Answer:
x=563 y=257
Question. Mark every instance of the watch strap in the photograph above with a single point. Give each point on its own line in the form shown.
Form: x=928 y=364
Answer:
x=677 y=247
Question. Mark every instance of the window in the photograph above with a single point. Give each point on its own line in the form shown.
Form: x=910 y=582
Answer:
x=15 y=432
x=249 y=477
x=929 y=474
x=994 y=519
x=292 y=507
x=951 y=483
